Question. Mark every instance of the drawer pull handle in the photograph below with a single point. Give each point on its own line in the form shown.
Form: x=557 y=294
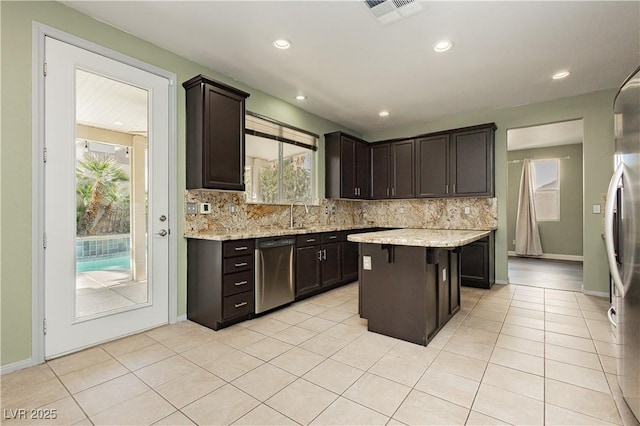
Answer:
x=239 y=305
x=311 y=240
x=241 y=283
x=240 y=248
x=333 y=237
x=240 y=264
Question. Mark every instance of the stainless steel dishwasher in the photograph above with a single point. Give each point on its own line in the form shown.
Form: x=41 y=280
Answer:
x=274 y=273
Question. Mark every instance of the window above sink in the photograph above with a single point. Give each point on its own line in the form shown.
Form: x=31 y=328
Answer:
x=280 y=162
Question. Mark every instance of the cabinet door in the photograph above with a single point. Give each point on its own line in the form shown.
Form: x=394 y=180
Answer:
x=474 y=264
x=471 y=163
x=432 y=159
x=348 y=168
x=380 y=172
x=349 y=261
x=307 y=269
x=331 y=263
x=362 y=165
x=402 y=170
x=223 y=150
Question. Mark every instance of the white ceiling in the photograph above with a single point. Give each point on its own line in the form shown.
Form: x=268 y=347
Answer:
x=351 y=66
x=554 y=134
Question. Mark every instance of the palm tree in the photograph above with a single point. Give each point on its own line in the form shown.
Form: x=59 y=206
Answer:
x=102 y=175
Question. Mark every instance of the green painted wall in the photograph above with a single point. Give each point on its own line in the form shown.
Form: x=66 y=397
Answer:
x=596 y=110
x=15 y=166
x=557 y=237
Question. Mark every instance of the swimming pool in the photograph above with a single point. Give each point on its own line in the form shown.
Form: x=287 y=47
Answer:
x=104 y=264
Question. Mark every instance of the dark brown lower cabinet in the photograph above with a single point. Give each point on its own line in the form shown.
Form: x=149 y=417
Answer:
x=331 y=263
x=410 y=292
x=349 y=261
x=220 y=282
x=477 y=263
x=307 y=269
x=318 y=262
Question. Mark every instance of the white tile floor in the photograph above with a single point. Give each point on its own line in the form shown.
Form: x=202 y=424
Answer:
x=105 y=290
x=512 y=355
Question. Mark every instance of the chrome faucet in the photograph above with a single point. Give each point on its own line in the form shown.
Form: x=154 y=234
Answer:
x=291 y=211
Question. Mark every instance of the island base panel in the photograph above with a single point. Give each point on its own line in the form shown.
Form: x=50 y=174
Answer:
x=410 y=292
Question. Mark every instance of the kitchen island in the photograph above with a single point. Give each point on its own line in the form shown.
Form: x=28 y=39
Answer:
x=410 y=280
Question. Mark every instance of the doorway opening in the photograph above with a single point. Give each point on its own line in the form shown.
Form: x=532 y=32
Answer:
x=549 y=197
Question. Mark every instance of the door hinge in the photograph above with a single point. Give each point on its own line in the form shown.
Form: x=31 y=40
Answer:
x=44 y=69
x=44 y=154
x=44 y=240
x=44 y=326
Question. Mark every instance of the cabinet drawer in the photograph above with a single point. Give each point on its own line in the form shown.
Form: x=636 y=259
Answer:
x=237 y=283
x=237 y=247
x=237 y=264
x=332 y=237
x=238 y=304
x=308 y=240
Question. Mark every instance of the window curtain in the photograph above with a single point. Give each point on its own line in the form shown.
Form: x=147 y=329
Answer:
x=527 y=233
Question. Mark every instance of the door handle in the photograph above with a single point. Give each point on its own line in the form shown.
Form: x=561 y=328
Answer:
x=320 y=255
x=237 y=265
x=610 y=314
x=608 y=229
x=324 y=254
x=239 y=283
x=162 y=233
x=241 y=248
x=239 y=305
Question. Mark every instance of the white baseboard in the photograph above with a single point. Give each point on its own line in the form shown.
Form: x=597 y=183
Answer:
x=15 y=366
x=596 y=293
x=181 y=318
x=551 y=256
x=502 y=282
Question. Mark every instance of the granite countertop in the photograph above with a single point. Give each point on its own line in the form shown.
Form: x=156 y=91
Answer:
x=262 y=233
x=420 y=237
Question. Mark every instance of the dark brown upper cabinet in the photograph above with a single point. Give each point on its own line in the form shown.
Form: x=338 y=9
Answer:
x=452 y=163
x=432 y=166
x=215 y=135
x=380 y=187
x=471 y=162
x=401 y=167
x=458 y=163
x=346 y=166
x=392 y=170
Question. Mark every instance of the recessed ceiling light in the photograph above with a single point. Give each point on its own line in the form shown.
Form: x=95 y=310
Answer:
x=118 y=123
x=301 y=97
x=561 y=74
x=282 y=43
x=383 y=113
x=443 y=46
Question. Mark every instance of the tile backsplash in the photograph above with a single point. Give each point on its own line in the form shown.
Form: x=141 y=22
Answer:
x=230 y=212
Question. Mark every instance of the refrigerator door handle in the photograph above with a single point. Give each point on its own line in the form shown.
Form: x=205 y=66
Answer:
x=610 y=314
x=608 y=229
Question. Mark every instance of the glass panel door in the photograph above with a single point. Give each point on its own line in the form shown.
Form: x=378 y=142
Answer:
x=111 y=196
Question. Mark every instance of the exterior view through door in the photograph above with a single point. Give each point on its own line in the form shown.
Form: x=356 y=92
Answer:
x=106 y=199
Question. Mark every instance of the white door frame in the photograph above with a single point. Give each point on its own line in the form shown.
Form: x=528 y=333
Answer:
x=39 y=31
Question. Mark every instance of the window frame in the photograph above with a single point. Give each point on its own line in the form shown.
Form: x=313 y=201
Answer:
x=557 y=191
x=283 y=130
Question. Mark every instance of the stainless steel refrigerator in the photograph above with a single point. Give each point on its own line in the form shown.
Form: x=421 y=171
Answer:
x=622 y=238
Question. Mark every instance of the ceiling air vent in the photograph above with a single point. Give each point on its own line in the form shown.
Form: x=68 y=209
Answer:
x=388 y=11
